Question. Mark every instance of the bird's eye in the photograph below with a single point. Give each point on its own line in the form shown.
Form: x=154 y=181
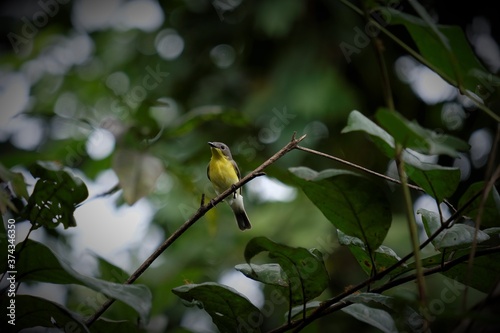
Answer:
x=222 y=147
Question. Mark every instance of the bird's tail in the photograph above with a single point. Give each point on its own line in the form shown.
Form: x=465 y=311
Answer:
x=239 y=212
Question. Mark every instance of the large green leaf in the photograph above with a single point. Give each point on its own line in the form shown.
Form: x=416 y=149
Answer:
x=303 y=270
x=484 y=274
x=359 y=122
x=457 y=236
x=271 y=274
x=405 y=318
x=383 y=256
x=352 y=203
x=459 y=66
x=230 y=311
x=36 y=262
x=137 y=173
x=491 y=209
x=378 y=318
x=438 y=181
x=412 y=135
x=31 y=311
x=55 y=197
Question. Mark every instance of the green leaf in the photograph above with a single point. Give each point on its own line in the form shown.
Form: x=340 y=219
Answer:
x=407 y=319
x=36 y=262
x=412 y=135
x=137 y=173
x=438 y=181
x=271 y=274
x=378 y=318
x=110 y=272
x=492 y=231
x=103 y=325
x=457 y=236
x=358 y=122
x=353 y=204
x=16 y=180
x=303 y=270
x=55 y=197
x=32 y=311
x=384 y=256
x=298 y=311
x=402 y=130
x=491 y=209
x=436 y=260
x=230 y=311
x=483 y=277
x=459 y=66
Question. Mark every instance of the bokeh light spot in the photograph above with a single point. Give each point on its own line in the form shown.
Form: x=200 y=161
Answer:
x=169 y=44
x=223 y=55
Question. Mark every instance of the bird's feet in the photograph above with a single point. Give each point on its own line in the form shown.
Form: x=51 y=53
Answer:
x=233 y=187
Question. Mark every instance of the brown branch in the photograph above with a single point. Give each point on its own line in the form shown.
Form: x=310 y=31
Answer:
x=202 y=210
x=337 y=159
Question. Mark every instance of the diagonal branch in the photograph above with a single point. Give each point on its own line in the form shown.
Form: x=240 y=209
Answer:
x=202 y=210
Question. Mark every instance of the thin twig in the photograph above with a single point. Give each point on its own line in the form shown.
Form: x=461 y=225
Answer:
x=202 y=210
x=359 y=167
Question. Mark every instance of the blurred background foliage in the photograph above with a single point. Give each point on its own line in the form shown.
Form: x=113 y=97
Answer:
x=155 y=81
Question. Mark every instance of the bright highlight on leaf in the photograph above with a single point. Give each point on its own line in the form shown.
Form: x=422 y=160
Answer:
x=457 y=236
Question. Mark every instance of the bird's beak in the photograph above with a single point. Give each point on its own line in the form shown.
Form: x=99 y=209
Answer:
x=211 y=144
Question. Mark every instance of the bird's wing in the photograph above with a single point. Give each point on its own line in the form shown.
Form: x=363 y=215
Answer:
x=235 y=166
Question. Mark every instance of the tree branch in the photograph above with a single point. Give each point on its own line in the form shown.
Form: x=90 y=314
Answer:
x=359 y=167
x=202 y=210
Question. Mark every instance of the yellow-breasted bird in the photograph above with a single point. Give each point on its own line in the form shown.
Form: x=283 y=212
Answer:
x=223 y=172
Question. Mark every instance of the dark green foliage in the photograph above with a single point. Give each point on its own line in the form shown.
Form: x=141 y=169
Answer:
x=251 y=74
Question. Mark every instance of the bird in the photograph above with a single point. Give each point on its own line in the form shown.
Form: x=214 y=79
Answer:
x=223 y=173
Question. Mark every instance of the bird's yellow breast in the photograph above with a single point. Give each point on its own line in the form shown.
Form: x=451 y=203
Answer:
x=222 y=173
